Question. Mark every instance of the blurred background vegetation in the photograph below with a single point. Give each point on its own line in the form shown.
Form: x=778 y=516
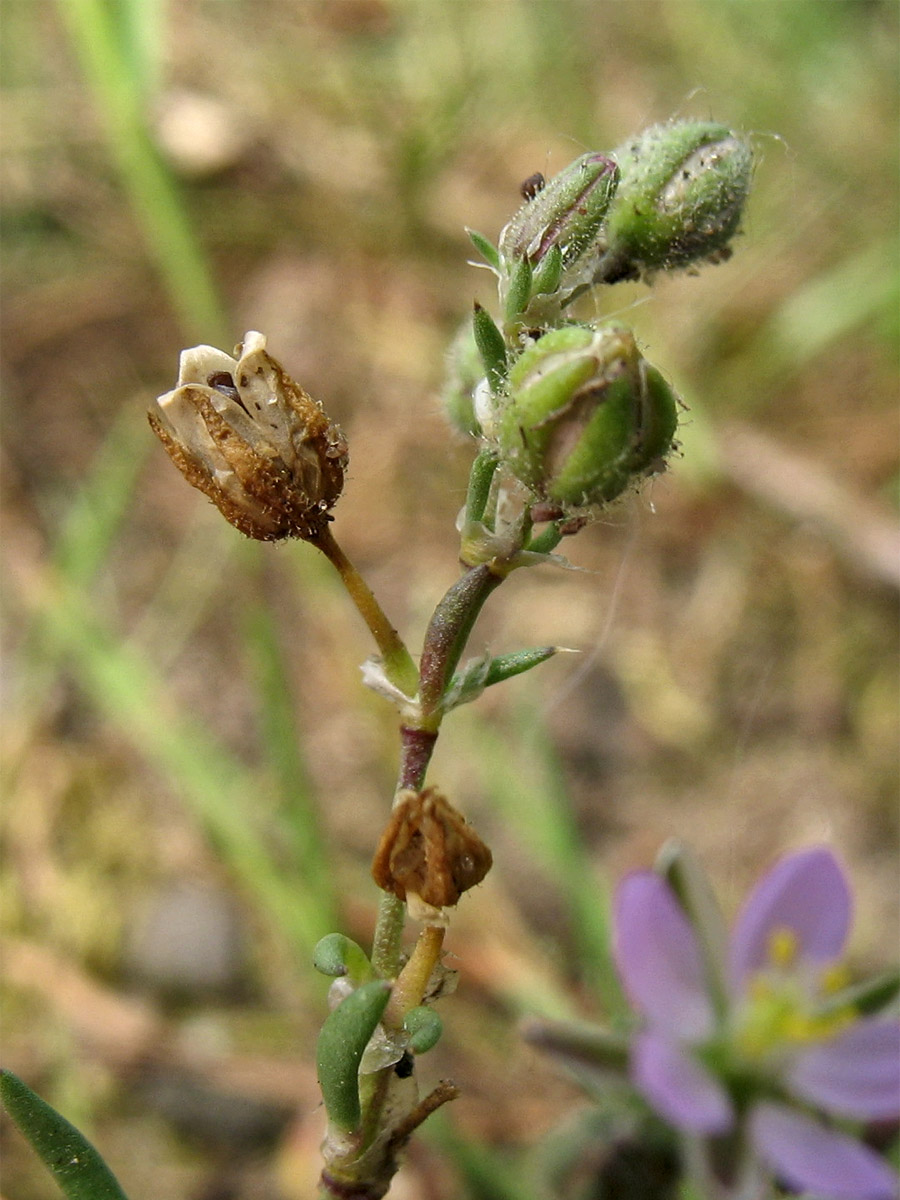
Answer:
x=194 y=778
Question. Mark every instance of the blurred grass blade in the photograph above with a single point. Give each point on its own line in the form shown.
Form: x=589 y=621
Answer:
x=92 y=521
x=141 y=24
x=538 y=807
x=488 y=1174
x=216 y=787
x=97 y=512
x=850 y=295
x=67 y=1154
x=107 y=60
x=282 y=748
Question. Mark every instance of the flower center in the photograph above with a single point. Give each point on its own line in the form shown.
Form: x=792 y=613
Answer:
x=788 y=1002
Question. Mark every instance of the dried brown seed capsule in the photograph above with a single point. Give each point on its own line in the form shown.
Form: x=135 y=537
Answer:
x=429 y=852
x=251 y=439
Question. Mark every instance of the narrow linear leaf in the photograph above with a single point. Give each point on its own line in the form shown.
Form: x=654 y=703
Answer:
x=505 y=666
x=478 y=673
x=76 y=1165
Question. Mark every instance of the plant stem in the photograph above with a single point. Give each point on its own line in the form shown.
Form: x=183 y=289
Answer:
x=416 y=748
x=413 y=979
x=398 y=663
x=447 y=635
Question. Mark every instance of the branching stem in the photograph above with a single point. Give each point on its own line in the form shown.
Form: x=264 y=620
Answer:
x=398 y=663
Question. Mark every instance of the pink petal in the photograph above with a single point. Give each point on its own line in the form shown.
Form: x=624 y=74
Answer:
x=678 y=1087
x=810 y=1157
x=856 y=1075
x=806 y=892
x=659 y=958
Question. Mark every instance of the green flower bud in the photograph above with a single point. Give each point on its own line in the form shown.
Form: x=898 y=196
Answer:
x=586 y=414
x=560 y=223
x=681 y=193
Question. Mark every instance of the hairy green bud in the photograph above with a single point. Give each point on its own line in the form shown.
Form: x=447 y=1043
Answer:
x=680 y=197
x=586 y=414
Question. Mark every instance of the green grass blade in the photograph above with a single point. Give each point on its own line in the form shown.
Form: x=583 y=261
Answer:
x=75 y=1164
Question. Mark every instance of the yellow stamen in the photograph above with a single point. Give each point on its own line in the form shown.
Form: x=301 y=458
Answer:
x=783 y=947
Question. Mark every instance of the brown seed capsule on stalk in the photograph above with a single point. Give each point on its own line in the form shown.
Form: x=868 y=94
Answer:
x=428 y=854
x=251 y=439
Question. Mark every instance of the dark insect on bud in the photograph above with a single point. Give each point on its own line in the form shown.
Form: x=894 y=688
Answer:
x=530 y=187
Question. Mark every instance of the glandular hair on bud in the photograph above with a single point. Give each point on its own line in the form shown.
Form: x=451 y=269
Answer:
x=681 y=194
x=248 y=436
x=585 y=416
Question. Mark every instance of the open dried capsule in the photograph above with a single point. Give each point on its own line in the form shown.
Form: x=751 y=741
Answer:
x=251 y=439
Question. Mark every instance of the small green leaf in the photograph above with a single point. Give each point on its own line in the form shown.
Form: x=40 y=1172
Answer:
x=505 y=666
x=548 y=273
x=467 y=684
x=342 y=1041
x=491 y=347
x=424 y=1027
x=68 y=1155
x=485 y=248
x=336 y=955
x=480 y=478
x=519 y=292
x=476 y=674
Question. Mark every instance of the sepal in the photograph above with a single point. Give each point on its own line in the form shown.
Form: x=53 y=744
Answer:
x=584 y=416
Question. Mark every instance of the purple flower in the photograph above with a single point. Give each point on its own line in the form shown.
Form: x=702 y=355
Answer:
x=758 y=1037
